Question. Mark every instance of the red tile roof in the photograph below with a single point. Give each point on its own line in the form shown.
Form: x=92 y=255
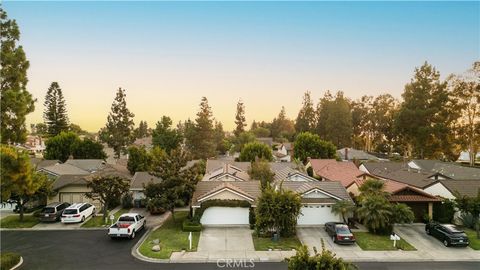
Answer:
x=333 y=170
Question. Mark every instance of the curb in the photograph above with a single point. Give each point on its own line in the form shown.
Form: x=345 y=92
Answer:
x=52 y=229
x=18 y=264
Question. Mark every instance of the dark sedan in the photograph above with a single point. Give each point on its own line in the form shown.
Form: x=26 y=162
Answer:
x=449 y=234
x=340 y=233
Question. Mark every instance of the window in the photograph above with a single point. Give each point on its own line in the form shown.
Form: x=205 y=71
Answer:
x=70 y=211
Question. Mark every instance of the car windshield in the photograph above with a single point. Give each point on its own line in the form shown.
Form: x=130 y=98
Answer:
x=126 y=219
x=342 y=229
x=49 y=210
x=70 y=211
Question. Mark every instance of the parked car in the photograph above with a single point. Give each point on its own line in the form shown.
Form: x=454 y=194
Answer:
x=77 y=212
x=449 y=234
x=340 y=233
x=127 y=225
x=53 y=211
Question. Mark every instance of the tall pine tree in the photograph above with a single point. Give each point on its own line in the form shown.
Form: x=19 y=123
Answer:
x=55 y=114
x=306 y=116
x=201 y=135
x=118 y=132
x=16 y=102
x=240 y=120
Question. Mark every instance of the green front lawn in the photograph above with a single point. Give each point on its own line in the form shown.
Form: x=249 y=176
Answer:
x=99 y=221
x=13 y=221
x=171 y=237
x=369 y=241
x=472 y=237
x=9 y=260
x=284 y=243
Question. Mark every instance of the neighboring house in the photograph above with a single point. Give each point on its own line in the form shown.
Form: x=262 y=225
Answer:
x=352 y=178
x=138 y=183
x=35 y=145
x=266 y=140
x=74 y=167
x=39 y=163
x=348 y=154
x=144 y=142
x=71 y=187
x=450 y=170
x=230 y=181
x=284 y=153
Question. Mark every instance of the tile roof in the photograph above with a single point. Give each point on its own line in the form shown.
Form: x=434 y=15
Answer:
x=341 y=171
x=90 y=165
x=249 y=189
x=40 y=163
x=68 y=179
x=140 y=179
x=333 y=188
x=412 y=198
x=383 y=168
x=64 y=169
x=468 y=188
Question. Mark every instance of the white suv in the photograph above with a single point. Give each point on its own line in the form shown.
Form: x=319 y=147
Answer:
x=77 y=212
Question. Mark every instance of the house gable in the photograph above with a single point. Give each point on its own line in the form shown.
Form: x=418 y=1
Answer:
x=225 y=194
x=300 y=177
x=438 y=189
x=318 y=194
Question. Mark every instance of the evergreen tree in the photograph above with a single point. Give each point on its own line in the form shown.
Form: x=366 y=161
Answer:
x=306 y=116
x=240 y=120
x=119 y=128
x=15 y=102
x=282 y=127
x=335 y=119
x=425 y=115
x=142 y=130
x=221 y=142
x=201 y=135
x=55 y=114
x=165 y=136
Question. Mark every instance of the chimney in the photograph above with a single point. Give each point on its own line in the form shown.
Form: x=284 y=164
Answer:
x=346 y=153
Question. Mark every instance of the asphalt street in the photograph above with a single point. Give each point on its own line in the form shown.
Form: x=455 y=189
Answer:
x=95 y=250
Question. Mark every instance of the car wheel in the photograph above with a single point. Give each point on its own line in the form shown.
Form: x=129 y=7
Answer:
x=445 y=243
x=133 y=235
x=427 y=231
x=83 y=219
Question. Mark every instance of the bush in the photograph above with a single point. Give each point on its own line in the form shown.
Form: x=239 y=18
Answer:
x=323 y=260
x=9 y=260
x=444 y=212
x=468 y=220
x=127 y=200
x=191 y=226
x=251 y=217
x=154 y=206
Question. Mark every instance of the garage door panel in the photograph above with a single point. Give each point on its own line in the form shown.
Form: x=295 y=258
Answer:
x=225 y=216
x=317 y=215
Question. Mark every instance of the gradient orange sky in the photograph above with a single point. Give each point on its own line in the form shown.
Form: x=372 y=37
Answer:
x=168 y=55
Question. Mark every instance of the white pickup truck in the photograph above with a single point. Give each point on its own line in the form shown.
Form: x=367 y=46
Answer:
x=127 y=225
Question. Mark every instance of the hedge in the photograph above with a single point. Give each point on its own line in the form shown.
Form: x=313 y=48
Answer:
x=191 y=226
x=9 y=260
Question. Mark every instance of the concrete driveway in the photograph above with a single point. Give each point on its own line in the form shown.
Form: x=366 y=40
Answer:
x=313 y=236
x=226 y=238
x=416 y=236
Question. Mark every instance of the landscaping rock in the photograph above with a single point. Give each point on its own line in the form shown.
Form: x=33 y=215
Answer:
x=156 y=241
x=156 y=248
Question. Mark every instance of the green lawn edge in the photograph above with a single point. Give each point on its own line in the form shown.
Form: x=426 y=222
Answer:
x=472 y=238
x=13 y=221
x=98 y=221
x=9 y=260
x=171 y=237
x=284 y=243
x=373 y=242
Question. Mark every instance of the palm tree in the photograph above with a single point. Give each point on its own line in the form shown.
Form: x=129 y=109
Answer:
x=372 y=187
x=375 y=213
x=343 y=208
x=402 y=213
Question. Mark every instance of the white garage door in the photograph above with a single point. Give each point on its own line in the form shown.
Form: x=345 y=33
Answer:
x=225 y=216
x=77 y=197
x=316 y=215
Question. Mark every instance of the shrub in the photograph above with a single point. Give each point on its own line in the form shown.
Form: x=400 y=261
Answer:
x=251 y=217
x=468 y=220
x=191 y=226
x=127 y=200
x=9 y=260
x=444 y=212
x=154 y=206
x=323 y=260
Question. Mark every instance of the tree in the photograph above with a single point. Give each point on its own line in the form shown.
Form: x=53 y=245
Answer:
x=87 y=149
x=39 y=129
x=256 y=150
x=77 y=129
x=282 y=127
x=240 y=121
x=466 y=95
x=15 y=102
x=426 y=114
x=165 y=136
x=343 y=208
x=142 y=130
x=372 y=187
x=240 y=141
x=306 y=116
x=139 y=160
x=277 y=212
x=55 y=114
x=200 y=137
x=107 y=189
x=19 y=179
x=60 y=147
x=119 y=128
x=324 y=260
x=308 y=145
x=223 y=145
x=334 y=119
x=260 y=170
x=375 y=213
x=260 y=132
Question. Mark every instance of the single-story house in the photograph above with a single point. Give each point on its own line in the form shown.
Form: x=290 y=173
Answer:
x=355 y=154
x=138 y=183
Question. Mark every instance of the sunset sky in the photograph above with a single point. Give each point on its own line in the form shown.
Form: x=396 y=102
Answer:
x=168 y=55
